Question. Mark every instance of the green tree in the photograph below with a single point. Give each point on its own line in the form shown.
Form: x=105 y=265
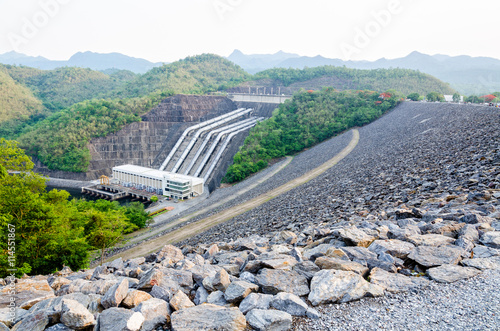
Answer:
x=435 y=96
x=136 y=214
x=456 y=97
x=413 y=96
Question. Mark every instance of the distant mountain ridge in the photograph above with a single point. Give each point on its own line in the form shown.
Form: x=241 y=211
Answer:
x=95 y=61
x=469 y=75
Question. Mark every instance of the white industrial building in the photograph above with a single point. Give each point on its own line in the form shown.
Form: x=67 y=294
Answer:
x=160 y=182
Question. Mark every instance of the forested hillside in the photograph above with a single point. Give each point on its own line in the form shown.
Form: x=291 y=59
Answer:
x=305 y=120
x=16 y=101
x=342 y=78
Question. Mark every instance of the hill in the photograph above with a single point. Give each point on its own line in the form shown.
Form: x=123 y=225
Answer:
x=196 y=74
x=469 y=75
x=342 y=78
x=16 y=101
x=95 y=61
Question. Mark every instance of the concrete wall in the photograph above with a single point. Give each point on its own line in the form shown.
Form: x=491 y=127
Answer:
x=259 y=98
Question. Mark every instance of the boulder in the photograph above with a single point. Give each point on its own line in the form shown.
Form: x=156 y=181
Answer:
x=255 y=300
x=160 y=293
x=289 y=303
x=491 y=239
x=115 y=295
x=475 y=219
x=273 y=281
x=340 y=286
x=320 y=250
x=181 y=301
x=395 y=283
x=200 y=272
x=156 y=313
x=285 y=262
x=28 y=292
x=430 y=240
x=169 y=254
x=307 y=269
x=429 y=256
x=325 y=262
x=267 y=320
x=119 y=319
x=9 y=318
x=32 y=322
x=337 y=253
x=134 y=298
x=116 y=264
x=221 y=280
x=359 y=254
x=75 y=315
x=183 y=278
x=397 y=248
x=201 y=296
x=484 y=251
x=150 y=278
x=483 y=263
x=355 y=237
x=217 y=298
x=239 y=290
x=449 y=273
x=58 y=327
x=208 y=317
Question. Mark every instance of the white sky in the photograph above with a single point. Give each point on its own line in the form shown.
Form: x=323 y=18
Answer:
x=167 y=30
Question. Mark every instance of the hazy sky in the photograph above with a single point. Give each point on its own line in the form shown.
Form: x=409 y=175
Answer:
x=166 y=30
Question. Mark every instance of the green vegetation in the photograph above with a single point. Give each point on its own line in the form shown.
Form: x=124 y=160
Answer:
x=413 y=96
x=434 y=96
x=51 y=231
x=196 y=75
x=403 y=80
x=307 y=119
x=16 y=101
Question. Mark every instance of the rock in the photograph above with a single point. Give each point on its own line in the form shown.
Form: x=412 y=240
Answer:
x=449 y=273
x=32 y=322
x=307 y=269
x=116 y=264
x=200 y=272
x=355 y=237
x=211 y=251
x=407 y=213
x=183 y=278
x=58 y=327
x=58 y=282
x=181 y=301
x=402 y=234
x=255 y=300
x=296 y=254
x=115 y=295
x=170 y=254
x=150 y=278
x=483 y=251
x=430 y=256
x=239 y=290
x=221 y=280
x=208 y=317
x=319 y=250
x=217 y=298
x=274 y=281
x=119 y=319
x=396 y=282
x=76 y=316
x=337 y=253
x=135 y=297
x=326 y=262
x=483 y=263
x=28 y=292
x=289 y=303
x=264 y=320
x=201 y=296
x=160 y=293
x=287 y=237
x=491 y=239
x=9 y=318
x=475 y=219
x=359 y=254
x=340 y=286
x=156 y=313
x=284 y=262
x=397 y=248
x=430 y=240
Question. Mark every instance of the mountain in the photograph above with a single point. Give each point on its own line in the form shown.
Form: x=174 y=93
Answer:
x=469 y=75
x=95 y=61
x=258 y=62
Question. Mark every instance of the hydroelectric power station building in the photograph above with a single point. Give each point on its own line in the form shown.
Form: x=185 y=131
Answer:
x=159 y=182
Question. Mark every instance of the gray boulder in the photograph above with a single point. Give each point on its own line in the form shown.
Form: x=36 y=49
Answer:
x=119 y=319
x=156 y=313
x=325 y=262
x=217 y=298
x=32 y=322
x=397 y=248
x=269 y=320
x=9 y=318
x=430 y=240
x=289 y=303
x=115 y=295
x=134 y=298
x=306 y=268
x=483 y=263
x=395 y=283
x=208 y=317
x=239 y=290
x=28 y=293
x=359 y=254
x=169 y=254
x=449 y=273
x=255 y=301
x=181 y=301
x=355 y=237
x=273 y=281
x=340 y=286
x=75 y=315
x=491 y=239
x=430 y=256
x=201 y=296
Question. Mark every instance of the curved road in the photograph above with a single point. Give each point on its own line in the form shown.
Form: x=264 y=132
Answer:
x=225 y=215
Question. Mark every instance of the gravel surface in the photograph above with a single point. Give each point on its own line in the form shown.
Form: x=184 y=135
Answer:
x=473 y=304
